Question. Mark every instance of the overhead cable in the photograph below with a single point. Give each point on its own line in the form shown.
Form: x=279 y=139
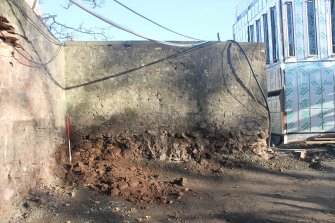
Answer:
x=189 y=37
x=103 y=18
x=258 y=85
x=30 y=20
x=178 y=54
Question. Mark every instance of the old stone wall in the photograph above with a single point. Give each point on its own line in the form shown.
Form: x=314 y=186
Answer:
x=32 y=101
x=164 y=102
x=146 y=90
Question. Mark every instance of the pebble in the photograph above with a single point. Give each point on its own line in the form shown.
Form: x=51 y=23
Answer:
x=181 y=182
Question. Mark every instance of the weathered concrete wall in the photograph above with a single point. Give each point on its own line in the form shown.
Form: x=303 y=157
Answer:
x=32 y=104
x=206 y=90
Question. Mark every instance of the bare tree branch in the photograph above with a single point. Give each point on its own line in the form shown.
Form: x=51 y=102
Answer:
x=65 y=32
x=91 y=3
x=95 y=3
x=67 y=6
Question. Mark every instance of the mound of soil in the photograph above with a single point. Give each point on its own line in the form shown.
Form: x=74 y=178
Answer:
x=117 y=166
x=110 y=170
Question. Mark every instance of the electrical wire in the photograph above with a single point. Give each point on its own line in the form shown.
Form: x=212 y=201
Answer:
x=252 y=92
x=189 y=50
x=46 y=36
x=39 y=64
x=189 y=37
x=142 y=36
x=85 y=8
x=264 y=110
x=259 y=86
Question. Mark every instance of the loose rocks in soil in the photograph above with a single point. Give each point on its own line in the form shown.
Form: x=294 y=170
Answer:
x=110 y=170
x=112 y=164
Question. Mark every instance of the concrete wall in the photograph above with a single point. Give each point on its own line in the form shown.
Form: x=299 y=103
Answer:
x=32 y=104
x=205 y=90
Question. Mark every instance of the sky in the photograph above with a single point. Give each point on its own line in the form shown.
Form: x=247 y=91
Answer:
x=201 y=19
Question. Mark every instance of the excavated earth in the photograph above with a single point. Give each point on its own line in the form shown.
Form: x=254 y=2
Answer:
x=116 y=165
x=104 y=167
x=127 y=178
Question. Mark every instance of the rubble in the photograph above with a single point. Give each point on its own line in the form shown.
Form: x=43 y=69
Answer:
x=181 y=146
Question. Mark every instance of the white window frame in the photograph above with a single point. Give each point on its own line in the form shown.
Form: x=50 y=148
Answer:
x=309 y=55
x=274 y=32
x=287 y=49
x=266 y=40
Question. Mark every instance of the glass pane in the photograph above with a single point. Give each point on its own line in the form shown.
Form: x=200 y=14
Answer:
x=333 y=23
x=252 y=39
x=249 y=34
x=311 y=28
x=274 y=34
x=266 y=36
x=258 y=30
x=290 y=29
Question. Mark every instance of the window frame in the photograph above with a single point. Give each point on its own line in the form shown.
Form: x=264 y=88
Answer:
x=274 y=32
x=258 y=31
x=288 y=33
x=251 y=30
x=315 y=28
x=266 y=36
x=248 y=33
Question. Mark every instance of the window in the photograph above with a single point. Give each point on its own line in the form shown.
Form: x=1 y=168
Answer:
x=248 y=32
x=290 y=29
x=332 y=8
x=312 y=36
x=258 y=31
x=274 y=34
x=251 y=33
x=266 y=36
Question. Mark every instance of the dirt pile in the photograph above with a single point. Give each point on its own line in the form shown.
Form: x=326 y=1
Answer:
x=111 y=164
x=107 y=168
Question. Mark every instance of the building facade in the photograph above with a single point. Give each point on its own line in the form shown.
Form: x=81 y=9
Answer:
x=300 y=42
